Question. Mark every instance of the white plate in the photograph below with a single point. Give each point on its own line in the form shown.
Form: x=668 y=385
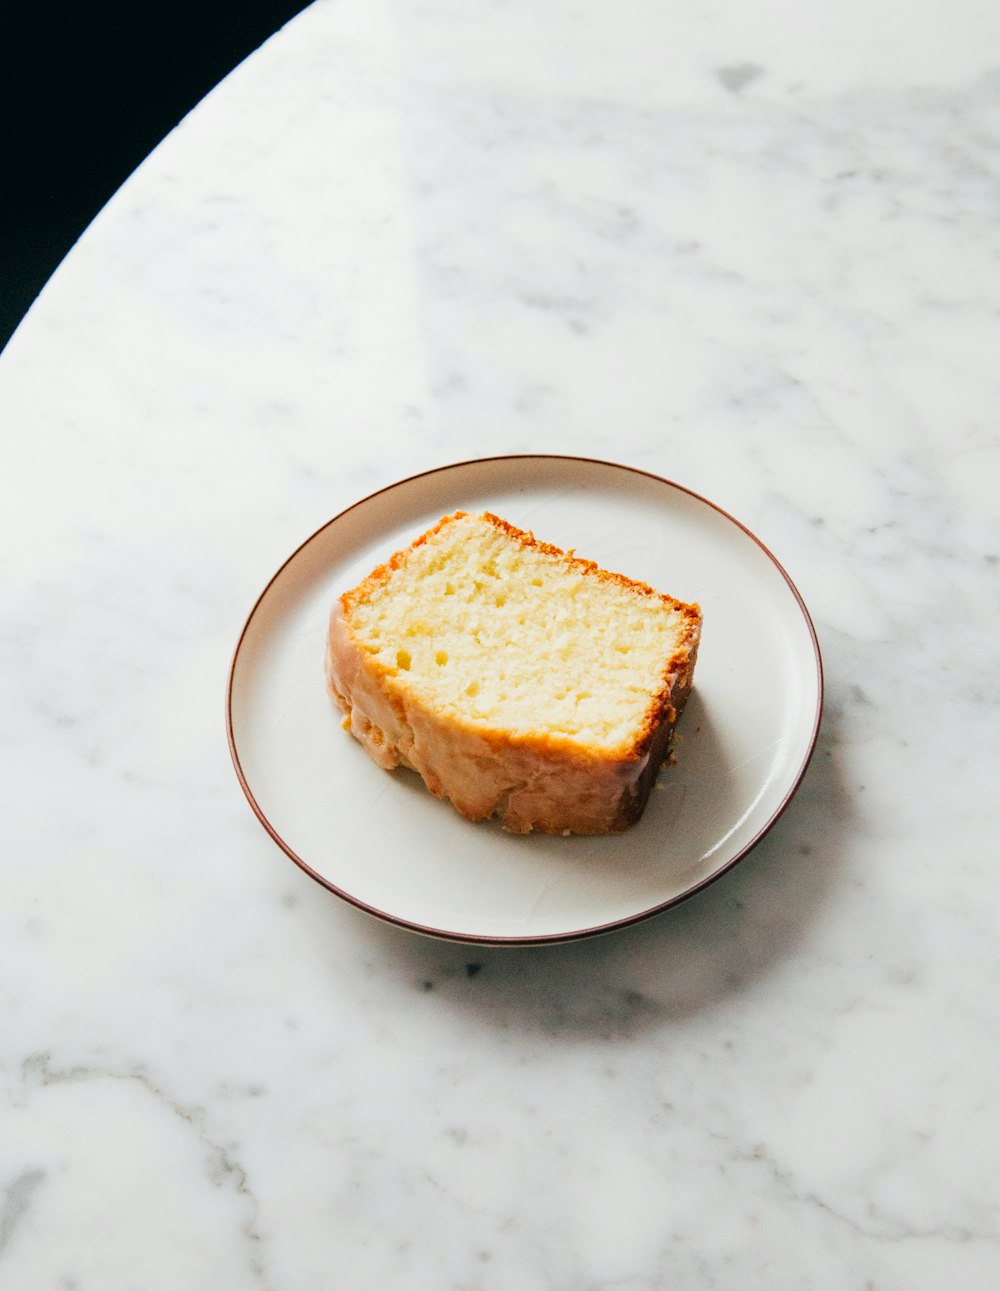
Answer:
x=379 y=839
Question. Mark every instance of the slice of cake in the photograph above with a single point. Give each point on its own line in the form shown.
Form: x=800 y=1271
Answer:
x=519 y=681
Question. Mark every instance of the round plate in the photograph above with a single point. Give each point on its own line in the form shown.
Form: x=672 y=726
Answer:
x=382 y=842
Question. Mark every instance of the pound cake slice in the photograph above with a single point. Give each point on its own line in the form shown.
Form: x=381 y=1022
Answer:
x=518 y=680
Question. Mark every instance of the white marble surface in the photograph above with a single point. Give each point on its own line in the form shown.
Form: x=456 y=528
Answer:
x=753 y=248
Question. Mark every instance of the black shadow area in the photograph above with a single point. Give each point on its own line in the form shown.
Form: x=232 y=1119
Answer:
x=87 y=91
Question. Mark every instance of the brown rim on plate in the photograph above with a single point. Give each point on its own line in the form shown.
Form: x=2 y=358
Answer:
x=544 y=938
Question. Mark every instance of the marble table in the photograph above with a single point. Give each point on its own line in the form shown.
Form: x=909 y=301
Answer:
x=750 y=248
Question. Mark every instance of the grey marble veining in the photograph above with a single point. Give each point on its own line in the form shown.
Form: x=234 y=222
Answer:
x=753 y=249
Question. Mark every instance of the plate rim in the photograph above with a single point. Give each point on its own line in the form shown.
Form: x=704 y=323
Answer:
x=539 y=939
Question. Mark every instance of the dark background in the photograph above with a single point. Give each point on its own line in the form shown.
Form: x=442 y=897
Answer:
x=87 y=89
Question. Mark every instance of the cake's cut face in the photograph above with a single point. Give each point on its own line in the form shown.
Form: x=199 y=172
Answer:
x=516 y=679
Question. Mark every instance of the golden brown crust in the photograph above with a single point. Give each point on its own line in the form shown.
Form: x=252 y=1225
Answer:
x=382 y=573
x=527 y=539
